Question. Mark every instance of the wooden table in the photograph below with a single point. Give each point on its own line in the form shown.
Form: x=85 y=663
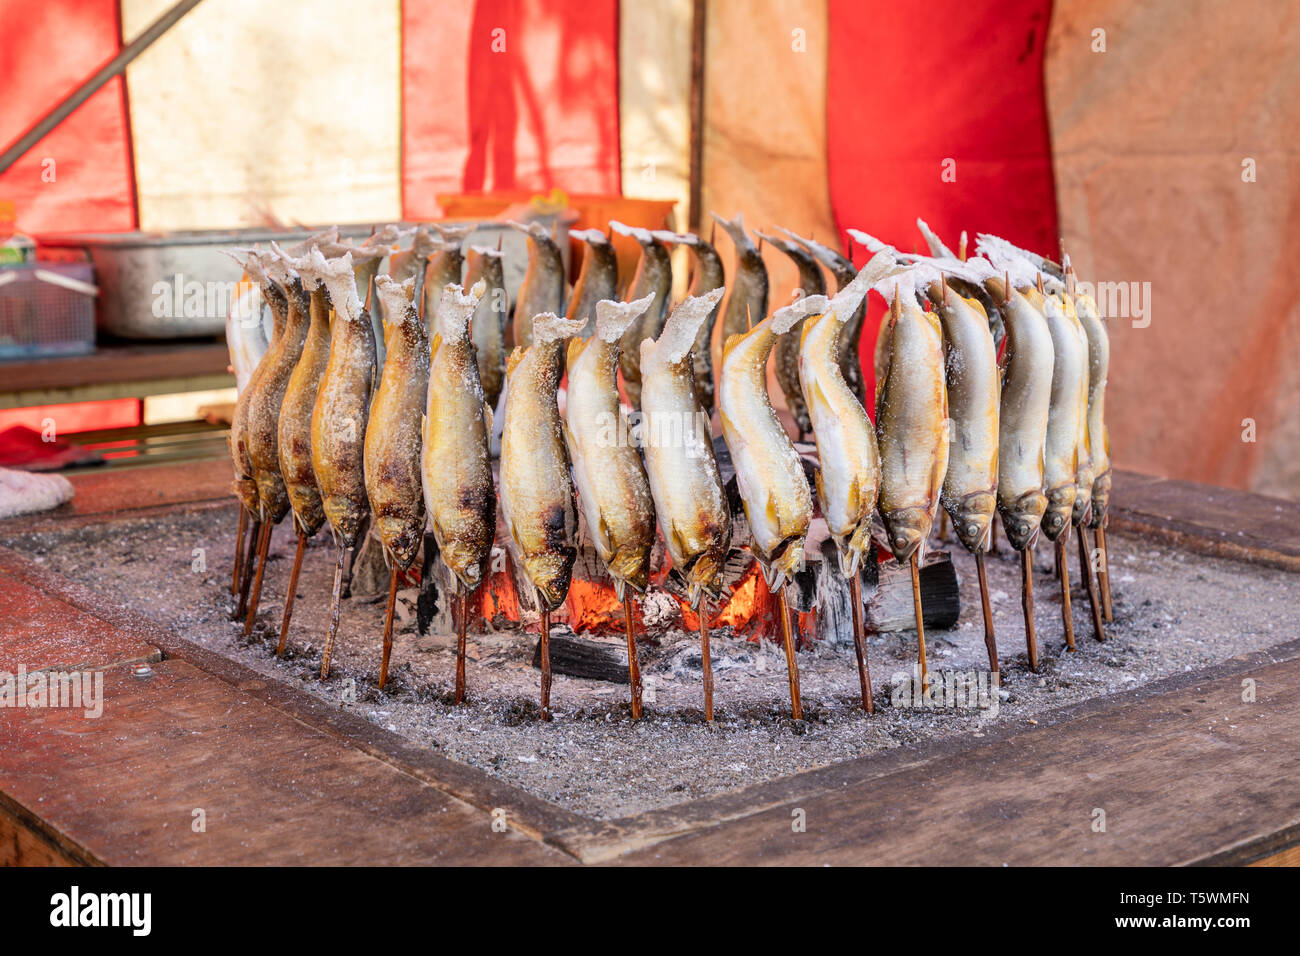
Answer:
x=1185 y=770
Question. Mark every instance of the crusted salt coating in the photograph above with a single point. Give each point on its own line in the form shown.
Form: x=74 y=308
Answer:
x=937 y=247
x=613 y=317
x=783 y=320
x=325 y=237
x=301 y=265
x=678 y=336
x=385 y=237
x=593 y=236
x=339 y=280
x=549 y=327
x=396 y=297
x=846 y=302
x=492 y=251
x=456 y=234
x=735 y=228
x=636 y=232
x=456 y=307
x=534 y=229
x=1024 y=268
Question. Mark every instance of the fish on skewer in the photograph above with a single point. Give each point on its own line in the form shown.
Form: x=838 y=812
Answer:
x=537 y=499
x=543 y=287
x=689 y=498
x=1022 y=433
x=769 y=474
x=749 y=283
x=653 y=277
x=487 y=329
x=339 y=419
x=912 y=431
x=848 y=477
x=850 y=344
x=597 y=281
x=392 y=445
x=613 y=491
x=786 y=350
x=366 y=260
x=445 y=266
x=456 y=462
x=709 y=275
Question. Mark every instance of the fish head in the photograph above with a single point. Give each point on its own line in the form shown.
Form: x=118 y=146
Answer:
x=1060 y=508
x=1023 y=519
x=1100 y=499
x=550 y=573
x=972 y=518
x=907 y=529
x=400 y=537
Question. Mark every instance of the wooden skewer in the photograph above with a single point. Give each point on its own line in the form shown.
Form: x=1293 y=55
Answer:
x=388 y=627
x=859 y=643
x=263 y=546
x=246 y=569
x=546 y=657
x=1085 y=569
x=990 y=641
x=239 y=551
x=293 y=591
x=462 y=626
x=706 y=663
x=633 y=667
x=791 y=663
x=1027 y=600
x=920 y=619
x=1063 y=572
x=1103 y=572
x=943 y=517
x=335 y=599
x=993 y=535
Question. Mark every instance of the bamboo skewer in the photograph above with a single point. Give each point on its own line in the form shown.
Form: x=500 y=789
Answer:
x=1085 y=569
x=792 y=664
x=246 y=569
x=388 y=627
x=706 y=664
x=990 y=640
x=920 y=620
x=546 y=656
x=335 y=598
x=1063 y=572
x=1103 y=572
x=633 y=667
x=263 y=546
x=239 y=551
x=1027 y=602
x=462 y=626
x=292 y=593
x=859 y=643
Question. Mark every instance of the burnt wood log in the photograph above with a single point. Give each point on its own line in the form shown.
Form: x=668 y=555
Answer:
x=586 y=657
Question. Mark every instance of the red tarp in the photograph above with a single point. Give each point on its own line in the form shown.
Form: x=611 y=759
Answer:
x=49 y=49
x=543 y=111
x=912 y=85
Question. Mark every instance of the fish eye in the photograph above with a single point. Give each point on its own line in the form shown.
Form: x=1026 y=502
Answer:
x=900 y=541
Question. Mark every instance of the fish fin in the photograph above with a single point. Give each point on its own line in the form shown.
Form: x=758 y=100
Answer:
x=614 y=318
x=549 y=327
x=487 y=418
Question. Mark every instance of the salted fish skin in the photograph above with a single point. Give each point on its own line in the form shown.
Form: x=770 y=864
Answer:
x=445 y=267
x=653 y=276
x=295 y=418
x=1067 y=415
x=1098 y=436
x=709 y=275
x=786 y=350
x=488 y=326
x=597 y=280
x=749 y=284
x=542 y=290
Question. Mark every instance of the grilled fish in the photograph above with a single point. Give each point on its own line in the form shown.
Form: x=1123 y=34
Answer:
x=748 y=300
x=613 y=490
x=848 y=479
x=457 y=428
x=1098 y=435
x=245 y=484
x=709 y=275
x=342 y=410
x=1022 y=426
x=911 y=422
x=487 y=328
x=653 y=277
x=1067 y=413
x=536 y=488
x=445 y=266
x=769 y=474
x=543 y=287
x=684 y=482
x=247 y=335
x=392 y=445
x=786 y=350
x=598 y=279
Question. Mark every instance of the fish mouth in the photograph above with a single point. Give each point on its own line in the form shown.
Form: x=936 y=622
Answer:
x=1100 y=500
x=972 y=518
x=1060 y=507
x=907 y=528
x=1023 y=520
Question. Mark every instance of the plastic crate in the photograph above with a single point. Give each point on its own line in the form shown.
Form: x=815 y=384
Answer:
x=47 y=308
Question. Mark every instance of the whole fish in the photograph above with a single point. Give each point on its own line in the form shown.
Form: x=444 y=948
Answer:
x=613 y=490
x=850 y=346
x=965 y=286
x=445 y=266
x=811 y=282
x=342 y=410
x=848 y=478
x=457 y=427
x=748 y=300
x=769 y=474
x=536 y=488
x=410 y=263
x=1098 y=435
x=1067 y=414
x=247 y=335
x=653 y=277
x=1026 y=403
x=487 y=329
x=911 y=422
x=392 y=445
x=598 y=279
x=245 y=483
x=543 y=287
x=970 y=485
x=366 y=261
x=685 y=484
x=709 y=275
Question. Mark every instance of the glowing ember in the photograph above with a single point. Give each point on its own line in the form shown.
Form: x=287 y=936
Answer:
x=594 y=608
